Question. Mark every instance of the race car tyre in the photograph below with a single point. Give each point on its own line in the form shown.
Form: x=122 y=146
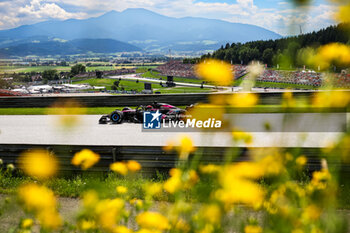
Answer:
x=116 y=117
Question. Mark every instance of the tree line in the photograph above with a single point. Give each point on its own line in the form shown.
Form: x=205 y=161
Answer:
x=281 y=51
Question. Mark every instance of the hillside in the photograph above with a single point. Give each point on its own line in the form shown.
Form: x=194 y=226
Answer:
x=60 y=47
x=145 y=29
x=269 y=51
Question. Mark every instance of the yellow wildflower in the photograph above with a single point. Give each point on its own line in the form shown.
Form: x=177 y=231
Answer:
x=137 y=202
x=331 y=99
x=152 y=220
x=133 y=166
x=343 y=14
x=122 y=229
x=68 y=112
x=109 y=212
x=311 y=213
x=252 y=229
x=215 y=71
x=148 y=231
x=90 y=199
x=272 y=164
x=211 y=213
x=87 y=225
x=288 y=100
x=120 y=168
x=173 y=184
x=182 y=226
x=153 y=189
x=185 y=147
x=36 y=198
x=204 y=112
x=50 y=219
x=85 y=158
x=38 y=163
x=236 y=186
x=27 y=223
x=209 y=169
x=320 y=179
x=301 y=161
x=242 y=136
x=121 y=189
x=42 y=202
x=243 y=100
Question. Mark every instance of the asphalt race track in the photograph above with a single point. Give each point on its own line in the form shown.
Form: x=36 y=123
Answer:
x=45 y=129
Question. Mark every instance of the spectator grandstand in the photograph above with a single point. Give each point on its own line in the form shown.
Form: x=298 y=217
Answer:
x=177 y=69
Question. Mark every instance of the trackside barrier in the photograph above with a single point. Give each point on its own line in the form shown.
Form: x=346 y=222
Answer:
x=152 y=158
x=265 y=98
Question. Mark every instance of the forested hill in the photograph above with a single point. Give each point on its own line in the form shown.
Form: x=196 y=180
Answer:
x=269 y=51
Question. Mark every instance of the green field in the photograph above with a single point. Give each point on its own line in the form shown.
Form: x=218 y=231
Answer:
x=157 y=75
x=133 y=85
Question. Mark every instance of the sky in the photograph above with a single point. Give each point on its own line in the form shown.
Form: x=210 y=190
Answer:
x=277 y=15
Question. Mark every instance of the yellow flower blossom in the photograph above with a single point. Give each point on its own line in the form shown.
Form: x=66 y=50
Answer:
x=122 y=229
x=252 y=229
x=42 y=202
x=133 y=166
x=153 y=189
x=183 y=144
x=272 y=164
x=121 y=189
x=203 y=112
x=311 y=213
x=85 y=158
x=109 y=212
x=173 y=184
x=68 y=112
x=320 y=179
x=152 y=220
x=211 y=214
x=331 y=99
x=38 y=163
x=182 y=226
x=87 y=225
x=49 y=219
x=243 y=100
x=301 y=161
x=119 y=167
x=326 y=55
x=137 y=202
x=237 y=186
x=27 y=223
x=343 y=14
x=36 y=198
x=209 y=169
x=242 y=136
x=90 y=199
x=215 y=71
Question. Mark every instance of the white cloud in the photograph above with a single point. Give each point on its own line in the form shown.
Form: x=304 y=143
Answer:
x=281 y=19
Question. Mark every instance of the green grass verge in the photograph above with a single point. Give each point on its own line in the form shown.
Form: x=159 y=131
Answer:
x=76 y=185
x=157 y=75
x=139 y=86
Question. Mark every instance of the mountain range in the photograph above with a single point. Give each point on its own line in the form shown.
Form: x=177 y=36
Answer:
x=131 y=29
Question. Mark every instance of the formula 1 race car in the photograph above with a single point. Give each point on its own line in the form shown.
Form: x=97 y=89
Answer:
x=169 y=112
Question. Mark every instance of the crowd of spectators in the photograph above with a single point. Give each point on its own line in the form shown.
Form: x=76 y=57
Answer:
x=177 y=69
x=240 y=70
x=310 y=78
x=4 y=92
